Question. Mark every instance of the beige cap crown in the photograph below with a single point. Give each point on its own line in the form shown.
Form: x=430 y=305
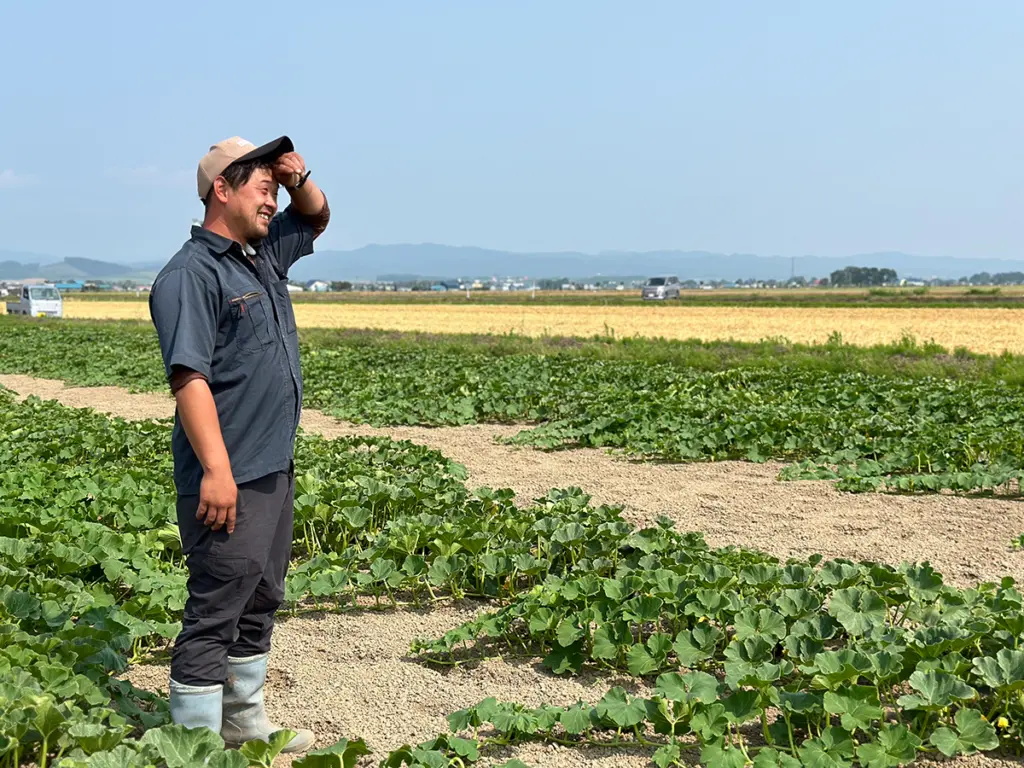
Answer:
x=224 y=153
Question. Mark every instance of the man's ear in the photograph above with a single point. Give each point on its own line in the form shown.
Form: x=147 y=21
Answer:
x=221 y=189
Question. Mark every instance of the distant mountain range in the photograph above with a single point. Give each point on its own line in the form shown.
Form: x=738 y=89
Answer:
x=36 y=266
x=372 y=261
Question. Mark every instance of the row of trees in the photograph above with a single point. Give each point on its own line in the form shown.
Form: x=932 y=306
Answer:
x=862 y=276
x=999 y=278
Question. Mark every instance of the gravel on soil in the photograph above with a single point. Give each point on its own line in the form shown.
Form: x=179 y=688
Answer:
x=349 y=674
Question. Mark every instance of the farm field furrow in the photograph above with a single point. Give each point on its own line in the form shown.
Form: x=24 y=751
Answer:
x=709 y=653
x=989 y=331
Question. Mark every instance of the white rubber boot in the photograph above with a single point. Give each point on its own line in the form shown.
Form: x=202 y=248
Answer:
x=244 y=716
x=196 y=706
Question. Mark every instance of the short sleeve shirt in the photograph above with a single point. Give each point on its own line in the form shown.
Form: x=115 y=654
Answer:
x=229 y=317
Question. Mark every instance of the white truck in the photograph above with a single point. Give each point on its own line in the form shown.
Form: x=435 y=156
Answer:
x=37 y=301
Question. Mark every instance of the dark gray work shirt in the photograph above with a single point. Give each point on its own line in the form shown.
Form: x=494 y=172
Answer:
x=218 y=313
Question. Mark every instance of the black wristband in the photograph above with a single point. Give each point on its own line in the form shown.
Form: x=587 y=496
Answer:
x=301 y=182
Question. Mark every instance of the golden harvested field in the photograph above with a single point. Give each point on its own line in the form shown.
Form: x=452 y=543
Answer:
x=981 y=330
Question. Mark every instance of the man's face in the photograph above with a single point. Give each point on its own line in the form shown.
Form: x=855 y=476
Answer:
x=250 y=208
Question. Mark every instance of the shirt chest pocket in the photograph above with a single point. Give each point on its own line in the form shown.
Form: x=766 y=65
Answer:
x=250 y=321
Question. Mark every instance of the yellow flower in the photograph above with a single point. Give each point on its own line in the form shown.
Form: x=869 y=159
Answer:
x=1002 y=722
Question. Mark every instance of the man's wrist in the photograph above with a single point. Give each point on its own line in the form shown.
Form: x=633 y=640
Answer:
x=302 y=181
x=218 y=467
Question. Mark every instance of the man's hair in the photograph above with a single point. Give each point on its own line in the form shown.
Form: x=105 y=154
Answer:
x=238 y=174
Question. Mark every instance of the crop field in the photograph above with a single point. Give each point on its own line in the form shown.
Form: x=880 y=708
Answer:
x=643 y=644
x=985 y=330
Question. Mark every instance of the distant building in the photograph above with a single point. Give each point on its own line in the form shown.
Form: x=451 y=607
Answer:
x=440 y=287
x=295 y=288
x=72 y=286
x=318 y=286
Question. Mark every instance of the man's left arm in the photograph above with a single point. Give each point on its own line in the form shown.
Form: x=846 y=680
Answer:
x=292 y=234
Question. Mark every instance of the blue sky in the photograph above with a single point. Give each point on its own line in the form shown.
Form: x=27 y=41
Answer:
x=785 y=128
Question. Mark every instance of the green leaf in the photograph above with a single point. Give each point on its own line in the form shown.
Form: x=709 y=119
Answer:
x=692 y=686
x=895 y=746
x=742 y=706
x=767 y=757
x=1004 y=673
x=659 y=644
x=833 y=749
x=94 y=737
x=936 y=690
x=641 y=610
x=640 y=662
x=858 y=610
x=260 y=752
x=857 y=704
x=797 y=603
x=614 y=590
x=666 y=755
x=47 y=717
x=565 y=660
x=123 y=757
x=181 y=747
x=801 y=702
x=973 y=734
x=886 y=664
x=617 y=708
x=467 y=748
x=576 y=719
x=696 y=645
x=763 y=623
x=718 y=755
x=924 y=582
x=428 y=758
x=606 y=642
x=440 y=571
x=710 y=722
x=568 y=631
x=515 y=719
x=462 y=719
x=228 y=759
x=832 y=669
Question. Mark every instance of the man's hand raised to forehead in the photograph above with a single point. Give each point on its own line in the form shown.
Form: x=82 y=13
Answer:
x=289 y=169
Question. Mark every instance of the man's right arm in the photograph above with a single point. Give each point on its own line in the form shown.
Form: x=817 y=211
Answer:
x=185 y=312
x=218 y=493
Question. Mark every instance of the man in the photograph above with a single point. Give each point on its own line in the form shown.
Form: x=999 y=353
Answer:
x=227 y=334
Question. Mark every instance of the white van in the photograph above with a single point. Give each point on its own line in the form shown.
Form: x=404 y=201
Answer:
x=37 y=301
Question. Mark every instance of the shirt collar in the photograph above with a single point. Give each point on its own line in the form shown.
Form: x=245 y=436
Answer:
x=219 y=243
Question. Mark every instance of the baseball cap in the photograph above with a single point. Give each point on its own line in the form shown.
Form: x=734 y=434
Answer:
x=233 y=150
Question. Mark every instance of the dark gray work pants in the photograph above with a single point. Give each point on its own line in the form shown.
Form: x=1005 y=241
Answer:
x=235 y=582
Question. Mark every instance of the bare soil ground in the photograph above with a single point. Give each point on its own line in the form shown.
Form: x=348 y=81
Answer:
x=348 y=675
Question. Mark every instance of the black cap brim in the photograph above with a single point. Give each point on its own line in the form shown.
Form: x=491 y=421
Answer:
x=269 y=151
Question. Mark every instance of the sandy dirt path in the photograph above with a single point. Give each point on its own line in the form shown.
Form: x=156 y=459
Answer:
x=350 y=675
